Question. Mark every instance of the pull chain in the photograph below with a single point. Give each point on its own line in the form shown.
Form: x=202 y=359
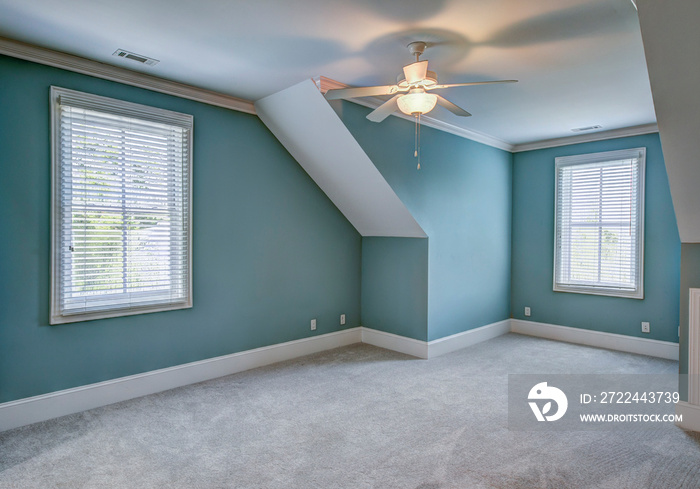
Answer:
x=416 y=152
x=415 y=139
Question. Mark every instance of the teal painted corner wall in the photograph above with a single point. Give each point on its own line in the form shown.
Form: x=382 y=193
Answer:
x=270 y=251
x=395 y=285
x=461 y=197
x=690 y=279
x=533 y=245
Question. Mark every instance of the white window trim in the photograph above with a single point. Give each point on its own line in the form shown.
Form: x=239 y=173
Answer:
x=564 y=161
x=128 y=109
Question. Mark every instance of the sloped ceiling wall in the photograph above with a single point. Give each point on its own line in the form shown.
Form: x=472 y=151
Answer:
x=304 y=122
x=672 y=46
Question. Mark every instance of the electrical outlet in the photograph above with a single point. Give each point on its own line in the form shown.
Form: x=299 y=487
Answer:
x=527 y=311
x=313 y=325
x=342 y=319
x=645 y=327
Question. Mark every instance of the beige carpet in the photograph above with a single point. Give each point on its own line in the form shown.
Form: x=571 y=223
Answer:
x=355 y=417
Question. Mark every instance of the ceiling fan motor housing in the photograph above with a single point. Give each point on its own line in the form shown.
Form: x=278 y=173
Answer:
x=429 y=80
x=417 y=48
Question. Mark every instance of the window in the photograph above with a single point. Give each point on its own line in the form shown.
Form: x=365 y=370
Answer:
x=121 y=208
x=599 y=224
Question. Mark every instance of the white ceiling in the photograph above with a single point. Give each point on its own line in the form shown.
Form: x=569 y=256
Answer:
x=579 y=62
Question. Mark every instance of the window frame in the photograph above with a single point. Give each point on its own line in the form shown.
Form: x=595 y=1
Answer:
x=131 y=110
x=592 y=158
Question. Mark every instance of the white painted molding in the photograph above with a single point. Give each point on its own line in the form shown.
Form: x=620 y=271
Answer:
x=587 y=138
x=691 y=416
x=694 y=347
x=85 y=66
x=47 y=406
x=57 y=59
x=394 y=342
x=458 y=341
x=434 y=348
x=610 y=341
x=324 y=84
x=77 y=64
x=471 y=134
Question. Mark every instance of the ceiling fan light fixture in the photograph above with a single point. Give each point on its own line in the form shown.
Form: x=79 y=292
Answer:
x=417 y=103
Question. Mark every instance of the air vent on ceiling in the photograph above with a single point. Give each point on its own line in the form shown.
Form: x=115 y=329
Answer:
x=135 y=57
x=588 y=128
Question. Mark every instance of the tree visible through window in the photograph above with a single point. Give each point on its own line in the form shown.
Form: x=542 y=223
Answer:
x=599 y=227
x=121 y=208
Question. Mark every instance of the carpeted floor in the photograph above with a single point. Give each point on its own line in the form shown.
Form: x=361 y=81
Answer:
x=355 y=417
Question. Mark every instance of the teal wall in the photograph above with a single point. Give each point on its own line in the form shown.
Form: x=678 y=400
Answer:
x=395 y=285
x=533 y=245
x=690 y=278
x=270 y=251
x=461 y=197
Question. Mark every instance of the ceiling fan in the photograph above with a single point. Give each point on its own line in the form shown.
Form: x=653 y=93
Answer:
x=411 y=90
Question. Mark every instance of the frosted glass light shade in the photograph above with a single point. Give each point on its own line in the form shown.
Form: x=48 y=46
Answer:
x=420 y=103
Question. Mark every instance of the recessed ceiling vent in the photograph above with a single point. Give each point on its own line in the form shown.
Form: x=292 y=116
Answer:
x=588 y=128
x=135 y=57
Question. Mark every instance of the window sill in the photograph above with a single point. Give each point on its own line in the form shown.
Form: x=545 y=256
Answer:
x=636 y=294
x=115 y=313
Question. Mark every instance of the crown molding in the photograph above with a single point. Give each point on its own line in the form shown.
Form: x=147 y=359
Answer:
x=587 y=138
x=426 y=120
x=85 y=66
x=324 y=84
x=77 y=64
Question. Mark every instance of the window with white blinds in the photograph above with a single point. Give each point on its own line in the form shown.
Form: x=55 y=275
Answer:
x=121 y=208
x=599 y=224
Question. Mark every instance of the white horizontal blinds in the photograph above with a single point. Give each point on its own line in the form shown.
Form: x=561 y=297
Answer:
x=598 y=217
x=124 y=200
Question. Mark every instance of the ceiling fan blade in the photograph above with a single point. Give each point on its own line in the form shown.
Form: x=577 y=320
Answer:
x=452 y=107
x=384 y=110
x=469 y=84
x=338 y=93
x=415 y=72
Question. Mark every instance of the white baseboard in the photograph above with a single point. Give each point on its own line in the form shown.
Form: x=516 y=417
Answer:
x=441 y=346
x=691 y=416
x=394 y=342
x=630 y=344
x=47 y=406
x=467 y=338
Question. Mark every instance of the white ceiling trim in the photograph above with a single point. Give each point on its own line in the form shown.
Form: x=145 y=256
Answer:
x=85 y=66
x=324 y=84
x=57 y=59
x=588 y=138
